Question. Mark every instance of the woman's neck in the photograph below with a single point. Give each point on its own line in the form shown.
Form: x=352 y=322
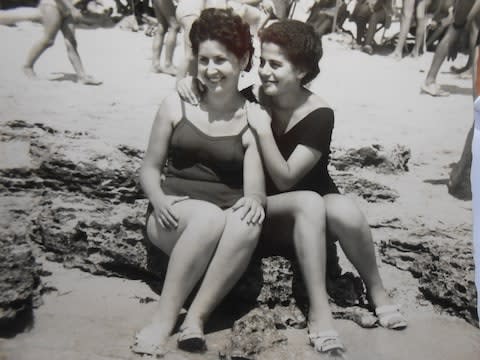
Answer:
x=290 y=100
x=223 y=103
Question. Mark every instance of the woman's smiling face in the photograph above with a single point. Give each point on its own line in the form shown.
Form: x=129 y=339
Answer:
x=277 y=73
x=218 y=68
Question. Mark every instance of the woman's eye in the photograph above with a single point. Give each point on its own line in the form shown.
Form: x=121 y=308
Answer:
x=202 y=60
x=219 y=60
x=262 y=62
x=275 y=65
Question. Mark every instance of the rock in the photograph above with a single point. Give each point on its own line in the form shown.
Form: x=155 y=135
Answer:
x=89 y=210
x=252 y=334
x=375 y=156
x=369 y=190
x=19 y=278
x=443 y=262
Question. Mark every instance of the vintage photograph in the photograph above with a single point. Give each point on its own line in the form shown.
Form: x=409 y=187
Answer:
x=239 y=179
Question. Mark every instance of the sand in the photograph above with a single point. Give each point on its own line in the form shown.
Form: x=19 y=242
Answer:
x=376 y=100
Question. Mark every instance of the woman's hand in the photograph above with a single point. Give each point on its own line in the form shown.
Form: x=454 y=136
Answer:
x=251 y=210
x=258 y=119
x=164 y=212
x=189 y=89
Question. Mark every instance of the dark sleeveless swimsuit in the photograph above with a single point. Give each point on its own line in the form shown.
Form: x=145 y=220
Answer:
x=204 y=167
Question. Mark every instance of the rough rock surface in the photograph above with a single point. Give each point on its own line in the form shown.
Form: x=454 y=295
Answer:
x=443 y=262
x=19 y=278
x=85 y=209
x=369 y=190
x=252 y=334
x=375 y=156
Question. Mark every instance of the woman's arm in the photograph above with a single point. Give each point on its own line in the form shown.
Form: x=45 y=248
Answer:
x=154 y=161
x=254 y=200
x=284 y=173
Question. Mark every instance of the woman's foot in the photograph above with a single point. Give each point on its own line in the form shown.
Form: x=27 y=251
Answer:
x=326 y=341
x=28 y=71
x=191 y=337
x=433 y=90
x=390 y=317
x=169 y=70
x=151 y=340
x=322 y=336
x=89 y=80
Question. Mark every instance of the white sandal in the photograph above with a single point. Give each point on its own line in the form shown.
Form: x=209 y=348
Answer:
x=326 y=341
x=390 y=317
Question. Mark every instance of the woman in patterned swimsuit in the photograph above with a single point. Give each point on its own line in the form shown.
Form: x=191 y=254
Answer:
x=207 y=212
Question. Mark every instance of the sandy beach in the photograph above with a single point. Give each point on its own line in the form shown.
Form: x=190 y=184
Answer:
x=376 y=100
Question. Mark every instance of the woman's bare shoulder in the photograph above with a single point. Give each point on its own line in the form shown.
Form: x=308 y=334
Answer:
x=170 y=109
x=317 y=102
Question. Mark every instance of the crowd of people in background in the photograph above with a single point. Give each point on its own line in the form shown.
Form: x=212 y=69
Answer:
x=444 y=26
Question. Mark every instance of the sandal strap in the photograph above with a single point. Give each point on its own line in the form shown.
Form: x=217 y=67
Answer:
x=326 y=340
x=387 y=309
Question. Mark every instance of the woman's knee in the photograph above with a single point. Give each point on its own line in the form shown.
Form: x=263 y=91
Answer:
x=48 y=42
x=308 y=205
x=244 y=235
x=208 y=219
x=343 y=211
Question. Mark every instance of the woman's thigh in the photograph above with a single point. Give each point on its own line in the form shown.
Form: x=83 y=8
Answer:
x=165 y=12
x=277 y=232
x=188 y=211
x=51 y=20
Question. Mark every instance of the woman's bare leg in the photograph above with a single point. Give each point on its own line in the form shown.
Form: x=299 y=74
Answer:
x=190 y=247
x=307 y=210
x=68 y=31
x=229 y=262
x=167 y=29
x=52 y=21
x=347 y=223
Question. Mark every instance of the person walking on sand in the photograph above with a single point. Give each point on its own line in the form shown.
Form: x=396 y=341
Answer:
x=465 y=14
x=58 y=15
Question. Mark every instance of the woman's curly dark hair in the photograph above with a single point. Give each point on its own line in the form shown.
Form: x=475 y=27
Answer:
x=300 y=44
x=227 y=28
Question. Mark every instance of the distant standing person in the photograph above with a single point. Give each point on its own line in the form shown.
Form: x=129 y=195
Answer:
x=465 y=12
x=58 y=15
x=165 y=37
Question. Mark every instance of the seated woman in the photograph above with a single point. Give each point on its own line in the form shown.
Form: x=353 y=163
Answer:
x=207 y=212
x=303 y=200
x=371 y=13
x=295 y=150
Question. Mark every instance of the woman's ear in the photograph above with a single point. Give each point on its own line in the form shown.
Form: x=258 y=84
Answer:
x=244 y=61
x=301 y=74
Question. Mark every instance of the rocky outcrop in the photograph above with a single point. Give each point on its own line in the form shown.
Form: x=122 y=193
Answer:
x=19 y=278
x=80 y=202
x=252 y=334
x=375 y=157
x=443 y=262
x=369 y=190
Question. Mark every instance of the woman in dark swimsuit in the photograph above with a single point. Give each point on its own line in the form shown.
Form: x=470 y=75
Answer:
x=295 y=150
x=207 y=212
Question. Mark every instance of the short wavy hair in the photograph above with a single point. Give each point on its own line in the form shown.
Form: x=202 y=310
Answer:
x=227 y=28
x=300 y=44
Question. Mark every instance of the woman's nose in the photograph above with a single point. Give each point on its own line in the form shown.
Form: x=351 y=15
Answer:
x=264 y=70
